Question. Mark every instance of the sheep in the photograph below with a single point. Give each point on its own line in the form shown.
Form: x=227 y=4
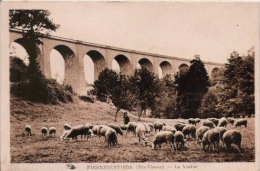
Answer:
x=28 y=129
x=163 y=137
x=52 y=131
x=89 y=125
x=216 y=121
x=222 y=122
x=231 y=121
x=241 y=122
x=210 y=137
x=192 y=121
x=209 y=123
x=221 y=130
x=179 y=140
x=158 y=125
x=111 y=137
x=76 y=131
x=197 y=120
x=189 y=130
x=131 y=126
x=232 y=137
x=103 y=130
x=123 y=127
x=44 y=131
x=64 y=134
x=116 y=128
x=96 y=129
x=147 y=127
x=140 y=131
x=67 y=126
x=169 y=128
x=179 y=126
x=200 y=132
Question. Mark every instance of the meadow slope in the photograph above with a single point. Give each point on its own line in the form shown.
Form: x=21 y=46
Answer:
x=36 y=149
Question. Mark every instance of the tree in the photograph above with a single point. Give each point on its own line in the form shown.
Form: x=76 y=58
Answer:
x=114 y=87
x=191 y=87
x=237 y=97
x=33 y=23
x=144 y=86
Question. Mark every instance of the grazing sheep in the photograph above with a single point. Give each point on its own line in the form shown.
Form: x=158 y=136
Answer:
x=221 y=130
x=67 y=126
x=231 y=121
x=189 y=130
x=169 y=128
x=131 y=126
x=140 y=131
x=179 y=126
x=241 y=122
x=197 y=120
x=210 y=137
x=111 y=137
x=200 y=132
x=147 y=128
x=158 y=125
x=222 y=122
x=116 y=128
x=76 y=131
x=163 y=137
x=28 y=129
x=192 y=121
x=123 y=127
x=44 y=131
x=209 y=123
x=151 y=126
x=179 y=140
x=232 y=137
x=103 y=130
x=52 y=131
x=96 y=129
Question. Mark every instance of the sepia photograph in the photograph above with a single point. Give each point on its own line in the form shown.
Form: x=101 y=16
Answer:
x=130 y=86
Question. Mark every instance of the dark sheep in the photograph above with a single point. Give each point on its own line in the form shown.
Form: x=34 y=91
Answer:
x=28 y=129
x=232 y=137
x=163 y=137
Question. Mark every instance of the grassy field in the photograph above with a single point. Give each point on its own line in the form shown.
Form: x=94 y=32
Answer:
x=36 y=149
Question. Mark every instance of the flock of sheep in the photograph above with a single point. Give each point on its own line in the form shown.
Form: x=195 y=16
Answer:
x=211 y=133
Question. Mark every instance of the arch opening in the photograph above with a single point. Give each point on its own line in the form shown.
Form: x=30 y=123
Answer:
x=145 y=63
x=215 y=72
x=164 y=69
x=123 y=65
x=95 y=67
x=63 y=65
x=183 y=68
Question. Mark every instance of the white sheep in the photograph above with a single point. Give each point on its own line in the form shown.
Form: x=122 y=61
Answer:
x=76 y=131
x=44 y=131
x=52 y=131
x=179 y=126
x=222 y=122
x=116 y=128
x=200 y=132
x=192 y=121
x=131 y=126
x=179 y=140
x=111 y=137
x=197 y=120
x=140 y=131
x=158 y=125
x=28 y=129
x=169 y=128
x=241 y=122
x=208 y=123
x=221 y=130
x=189 y=130
x=103 y=130
x=67 y=126
x=232 y=137
x=211 y=137
x=163 y=137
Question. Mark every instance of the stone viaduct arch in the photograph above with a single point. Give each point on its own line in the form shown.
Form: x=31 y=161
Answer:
x=74 y=51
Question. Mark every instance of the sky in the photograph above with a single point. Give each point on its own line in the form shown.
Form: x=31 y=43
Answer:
x=179 y=29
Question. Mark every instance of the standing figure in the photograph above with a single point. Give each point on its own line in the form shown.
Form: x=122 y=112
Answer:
x=126 y=118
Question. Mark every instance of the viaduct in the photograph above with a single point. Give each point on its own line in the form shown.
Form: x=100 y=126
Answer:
x=73 y=52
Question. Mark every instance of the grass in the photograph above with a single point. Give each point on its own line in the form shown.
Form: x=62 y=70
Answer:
x=36 y=149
